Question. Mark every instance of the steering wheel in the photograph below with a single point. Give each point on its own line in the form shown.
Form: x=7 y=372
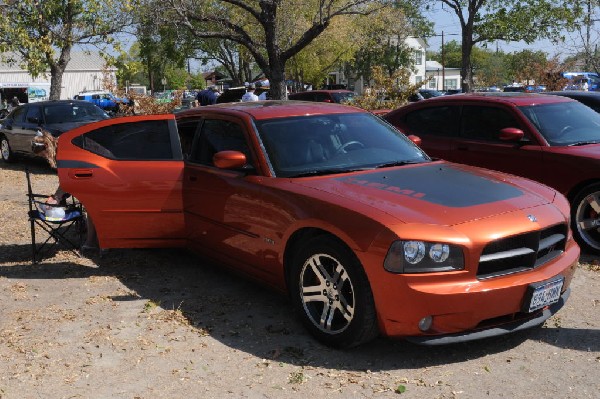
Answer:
x=564 y=130
x=342 y=149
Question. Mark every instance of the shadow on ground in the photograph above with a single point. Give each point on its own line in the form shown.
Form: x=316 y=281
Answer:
x=253 y=319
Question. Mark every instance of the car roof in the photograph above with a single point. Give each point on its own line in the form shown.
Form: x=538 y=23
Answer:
x=58 y=102
x=514 y=98
x=277 y=109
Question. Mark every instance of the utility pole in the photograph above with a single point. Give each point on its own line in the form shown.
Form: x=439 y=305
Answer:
x=443 y=65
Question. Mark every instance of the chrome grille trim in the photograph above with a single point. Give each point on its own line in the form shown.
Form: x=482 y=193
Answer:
x=522 y=252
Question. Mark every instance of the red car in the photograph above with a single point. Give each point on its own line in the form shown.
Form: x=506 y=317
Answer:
x=551 y=139
x=335 y=207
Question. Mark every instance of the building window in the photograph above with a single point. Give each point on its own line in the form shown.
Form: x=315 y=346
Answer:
x=418 y=79
x=418 y=57
x=450 y=84
x=433 y=83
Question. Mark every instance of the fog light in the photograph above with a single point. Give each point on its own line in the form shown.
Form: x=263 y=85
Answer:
x=425 y=323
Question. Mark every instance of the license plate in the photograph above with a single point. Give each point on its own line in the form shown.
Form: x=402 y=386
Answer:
x=543 y=294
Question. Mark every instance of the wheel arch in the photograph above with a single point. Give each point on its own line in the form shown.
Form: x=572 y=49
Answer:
x=575 y=190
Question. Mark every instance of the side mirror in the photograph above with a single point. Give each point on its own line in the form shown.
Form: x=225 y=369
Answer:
x=415 y=139
x=229 y=160
x=511 y=134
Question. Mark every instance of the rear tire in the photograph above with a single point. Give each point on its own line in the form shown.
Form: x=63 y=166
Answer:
x=7 y=155
x=585 y=218
x=331 y=293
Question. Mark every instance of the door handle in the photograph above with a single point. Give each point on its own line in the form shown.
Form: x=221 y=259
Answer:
x=193 y=178
x=82 y=174
x=462 y=148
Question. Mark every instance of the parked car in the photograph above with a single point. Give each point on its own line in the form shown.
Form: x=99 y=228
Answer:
x=551 y=139
x=19 y=128
x=424 y=94
x=334 y=206
x=234 y=94
x=105 y=100
x=450 y=92
x=589 y=98
x=325 y=96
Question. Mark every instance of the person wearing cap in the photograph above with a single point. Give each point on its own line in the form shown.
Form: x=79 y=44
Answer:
x=249 y=95
x=207 y=96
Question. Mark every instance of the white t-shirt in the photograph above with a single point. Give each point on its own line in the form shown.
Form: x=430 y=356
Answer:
x=249 y=96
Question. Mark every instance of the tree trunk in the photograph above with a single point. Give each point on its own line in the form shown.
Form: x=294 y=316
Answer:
x=466 y=73
x=278 y=89
x=57 y=69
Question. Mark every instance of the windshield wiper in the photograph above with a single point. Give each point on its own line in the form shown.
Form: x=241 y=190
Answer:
x=397 y=163
x=322 y=172
x=584 y=143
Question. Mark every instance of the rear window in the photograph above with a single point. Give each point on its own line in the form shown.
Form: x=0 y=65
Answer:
x=73 y=112
x=148 y=140
x=436 y=121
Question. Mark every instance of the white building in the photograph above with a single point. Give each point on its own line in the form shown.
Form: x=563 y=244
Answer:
x=441 y=78
x=419 y=73
x=85 y=71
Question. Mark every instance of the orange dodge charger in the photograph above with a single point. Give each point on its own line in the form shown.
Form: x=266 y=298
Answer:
x=336 y=208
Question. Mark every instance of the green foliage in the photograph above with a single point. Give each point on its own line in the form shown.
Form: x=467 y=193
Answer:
x=400 y=389
x=43 y=33
x=388 y=91
x=484 y=21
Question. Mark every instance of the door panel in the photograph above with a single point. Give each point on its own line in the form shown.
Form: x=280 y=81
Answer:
x=479 y=143
x=128 y=174
x=224 y=210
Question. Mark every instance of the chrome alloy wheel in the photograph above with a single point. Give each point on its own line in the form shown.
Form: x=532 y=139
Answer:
x=327 y=293
x=5 y=149
x=587 y=219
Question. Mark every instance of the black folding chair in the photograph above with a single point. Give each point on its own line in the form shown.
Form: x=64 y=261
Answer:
x=62 y=223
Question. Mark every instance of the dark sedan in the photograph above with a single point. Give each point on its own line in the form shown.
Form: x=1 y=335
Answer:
x=19 y=128
x=589 y=98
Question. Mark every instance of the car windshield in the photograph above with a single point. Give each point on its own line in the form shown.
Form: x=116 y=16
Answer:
x=343 y=97
x=566 y=123
x=335 y=143
x=69 y=113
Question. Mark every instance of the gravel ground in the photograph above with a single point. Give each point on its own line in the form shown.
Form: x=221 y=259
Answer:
x=166 y=324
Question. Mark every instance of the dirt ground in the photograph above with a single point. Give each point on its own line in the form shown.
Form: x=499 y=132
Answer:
x=166 y=324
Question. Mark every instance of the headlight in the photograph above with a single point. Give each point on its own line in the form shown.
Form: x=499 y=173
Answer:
x=423 y=257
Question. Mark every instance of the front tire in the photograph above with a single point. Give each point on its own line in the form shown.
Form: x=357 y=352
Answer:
x=585 y=218
x=7 y=155
x=331 y=293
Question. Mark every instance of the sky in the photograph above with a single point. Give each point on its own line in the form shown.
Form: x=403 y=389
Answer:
x=446 y=21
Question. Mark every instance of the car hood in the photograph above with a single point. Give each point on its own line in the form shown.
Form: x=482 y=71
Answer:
x=435 y=193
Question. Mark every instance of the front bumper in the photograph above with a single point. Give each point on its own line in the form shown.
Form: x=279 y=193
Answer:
x=510 y=327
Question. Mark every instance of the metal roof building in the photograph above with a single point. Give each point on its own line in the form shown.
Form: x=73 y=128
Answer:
x=85 y=71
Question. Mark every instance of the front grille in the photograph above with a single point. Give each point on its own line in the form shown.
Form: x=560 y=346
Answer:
x=522 y=252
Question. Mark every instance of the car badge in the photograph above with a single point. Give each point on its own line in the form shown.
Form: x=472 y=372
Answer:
x=532 y=218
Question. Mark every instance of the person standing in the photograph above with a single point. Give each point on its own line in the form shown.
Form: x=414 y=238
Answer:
x=207 y=96
x=249 y=95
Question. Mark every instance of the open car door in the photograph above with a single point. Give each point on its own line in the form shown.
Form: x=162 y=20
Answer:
x=127 y=172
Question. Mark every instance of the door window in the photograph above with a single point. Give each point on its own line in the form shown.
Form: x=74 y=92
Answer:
x=34 y=115
x=485 y=123
x=218 y=135
x=145 y=140
x=437 y=121
x=18 y=115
